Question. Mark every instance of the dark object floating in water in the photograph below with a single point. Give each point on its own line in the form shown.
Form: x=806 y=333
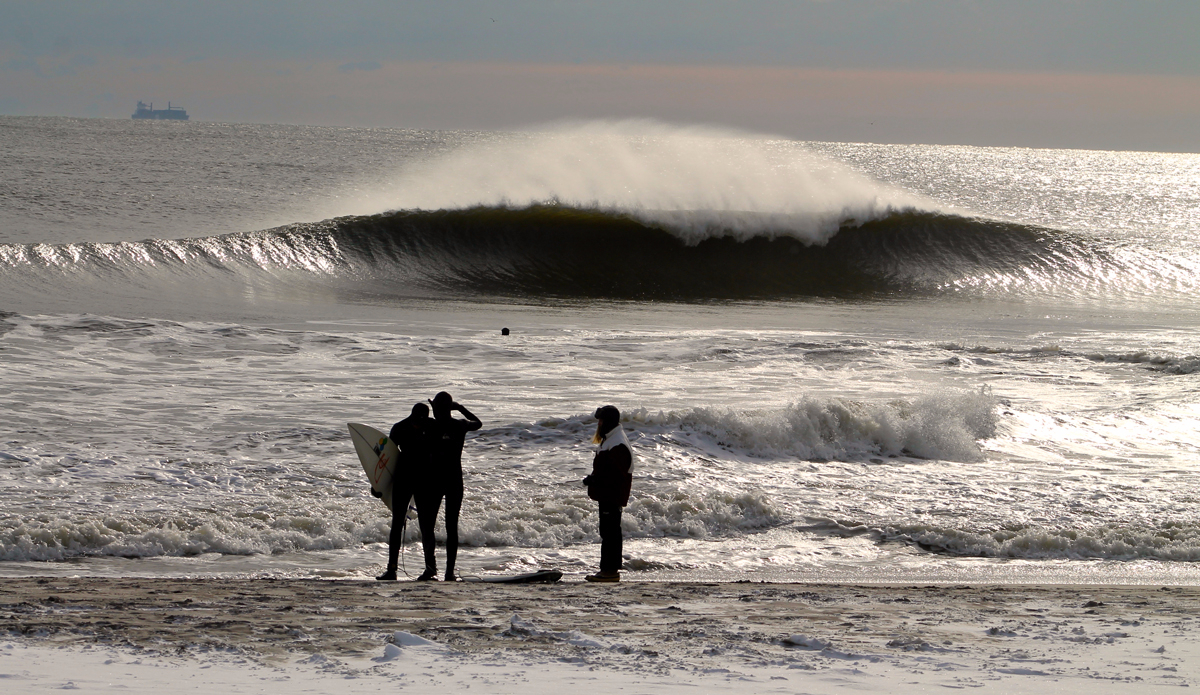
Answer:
x=171 y=113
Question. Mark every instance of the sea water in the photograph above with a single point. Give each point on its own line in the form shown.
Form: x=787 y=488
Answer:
x=834 y=361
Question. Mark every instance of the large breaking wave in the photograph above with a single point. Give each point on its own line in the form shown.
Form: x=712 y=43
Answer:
x=629 y=210
x=557 y=251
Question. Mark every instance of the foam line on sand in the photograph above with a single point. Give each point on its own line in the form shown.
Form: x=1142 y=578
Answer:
x=230 y=636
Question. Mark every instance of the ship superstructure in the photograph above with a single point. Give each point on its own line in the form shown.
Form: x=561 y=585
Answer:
x=171 y=113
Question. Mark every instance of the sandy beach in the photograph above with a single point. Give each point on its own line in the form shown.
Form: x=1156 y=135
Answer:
x=216 y=635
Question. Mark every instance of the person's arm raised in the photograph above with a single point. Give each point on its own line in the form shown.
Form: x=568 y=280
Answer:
x=473 y=421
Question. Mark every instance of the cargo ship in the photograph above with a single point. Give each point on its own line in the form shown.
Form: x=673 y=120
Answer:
x=171 y=113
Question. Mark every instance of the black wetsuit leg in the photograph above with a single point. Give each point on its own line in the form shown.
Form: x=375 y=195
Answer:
x=454 y=500
x=428 y=504
x=401 y=493
x=610 y=537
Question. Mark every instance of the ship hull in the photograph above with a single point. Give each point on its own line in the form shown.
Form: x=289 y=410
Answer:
x=161 y=116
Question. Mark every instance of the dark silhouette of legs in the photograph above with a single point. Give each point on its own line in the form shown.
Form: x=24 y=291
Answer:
x=427 y=509
x=400 y=496
x=610 y=538
x=454 y=499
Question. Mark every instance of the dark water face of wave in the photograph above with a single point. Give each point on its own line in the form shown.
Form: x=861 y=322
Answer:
x=566 y=252
x=562 y=252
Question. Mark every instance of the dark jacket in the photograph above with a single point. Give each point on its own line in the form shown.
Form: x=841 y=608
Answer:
x=612 y=470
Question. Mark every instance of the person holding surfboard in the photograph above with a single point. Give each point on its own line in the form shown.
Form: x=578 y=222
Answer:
x=609 y=484
x=411 y=436
x=446 y=436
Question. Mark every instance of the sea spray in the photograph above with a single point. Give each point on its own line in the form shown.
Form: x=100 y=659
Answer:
x=695 y=181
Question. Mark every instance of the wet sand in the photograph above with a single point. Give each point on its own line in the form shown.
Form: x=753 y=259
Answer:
x=969 y=634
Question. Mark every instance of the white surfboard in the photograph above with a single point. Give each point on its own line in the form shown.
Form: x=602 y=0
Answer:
x=539 y=577
x=378 y=455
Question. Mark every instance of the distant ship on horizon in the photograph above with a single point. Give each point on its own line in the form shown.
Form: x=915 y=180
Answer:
x=171 y=113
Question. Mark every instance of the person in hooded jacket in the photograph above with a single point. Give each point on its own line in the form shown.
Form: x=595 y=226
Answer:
x=446 y=435
x=411 y=437
x=609 y=484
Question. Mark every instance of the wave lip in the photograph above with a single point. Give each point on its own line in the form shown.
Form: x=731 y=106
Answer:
x=300 y=247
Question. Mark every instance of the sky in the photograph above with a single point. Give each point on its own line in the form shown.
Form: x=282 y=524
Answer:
x=1099 y=74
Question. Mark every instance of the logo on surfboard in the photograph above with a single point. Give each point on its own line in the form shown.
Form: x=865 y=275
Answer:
x=381 y=464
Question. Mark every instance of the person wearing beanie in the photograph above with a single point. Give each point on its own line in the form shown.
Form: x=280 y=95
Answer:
x=447 y=435
x=610 y=484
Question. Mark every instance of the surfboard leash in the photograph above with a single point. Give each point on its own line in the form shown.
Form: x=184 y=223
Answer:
x=403 y=526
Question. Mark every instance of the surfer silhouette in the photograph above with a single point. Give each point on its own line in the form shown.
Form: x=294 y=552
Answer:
x=610 y=484
x=411 y=437
x=446 y=436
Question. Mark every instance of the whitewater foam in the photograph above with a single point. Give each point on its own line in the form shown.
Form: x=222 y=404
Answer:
x=943 y=425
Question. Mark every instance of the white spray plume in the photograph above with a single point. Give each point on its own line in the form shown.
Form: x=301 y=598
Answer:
x=696 y=181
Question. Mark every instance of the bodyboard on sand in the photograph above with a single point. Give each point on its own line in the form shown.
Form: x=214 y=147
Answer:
x=539 y=577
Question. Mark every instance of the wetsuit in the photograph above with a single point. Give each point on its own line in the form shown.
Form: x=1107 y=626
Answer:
x=411 y=438
x=446 y=436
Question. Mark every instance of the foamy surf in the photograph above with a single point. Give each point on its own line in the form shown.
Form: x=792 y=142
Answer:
x=942 y=426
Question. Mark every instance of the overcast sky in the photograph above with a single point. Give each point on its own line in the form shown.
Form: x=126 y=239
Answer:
x=1059 y=73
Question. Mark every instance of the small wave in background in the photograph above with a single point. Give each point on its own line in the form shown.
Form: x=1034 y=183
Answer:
x=1171 y=541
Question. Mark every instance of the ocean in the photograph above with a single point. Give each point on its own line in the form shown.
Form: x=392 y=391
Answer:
x=835 y=361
